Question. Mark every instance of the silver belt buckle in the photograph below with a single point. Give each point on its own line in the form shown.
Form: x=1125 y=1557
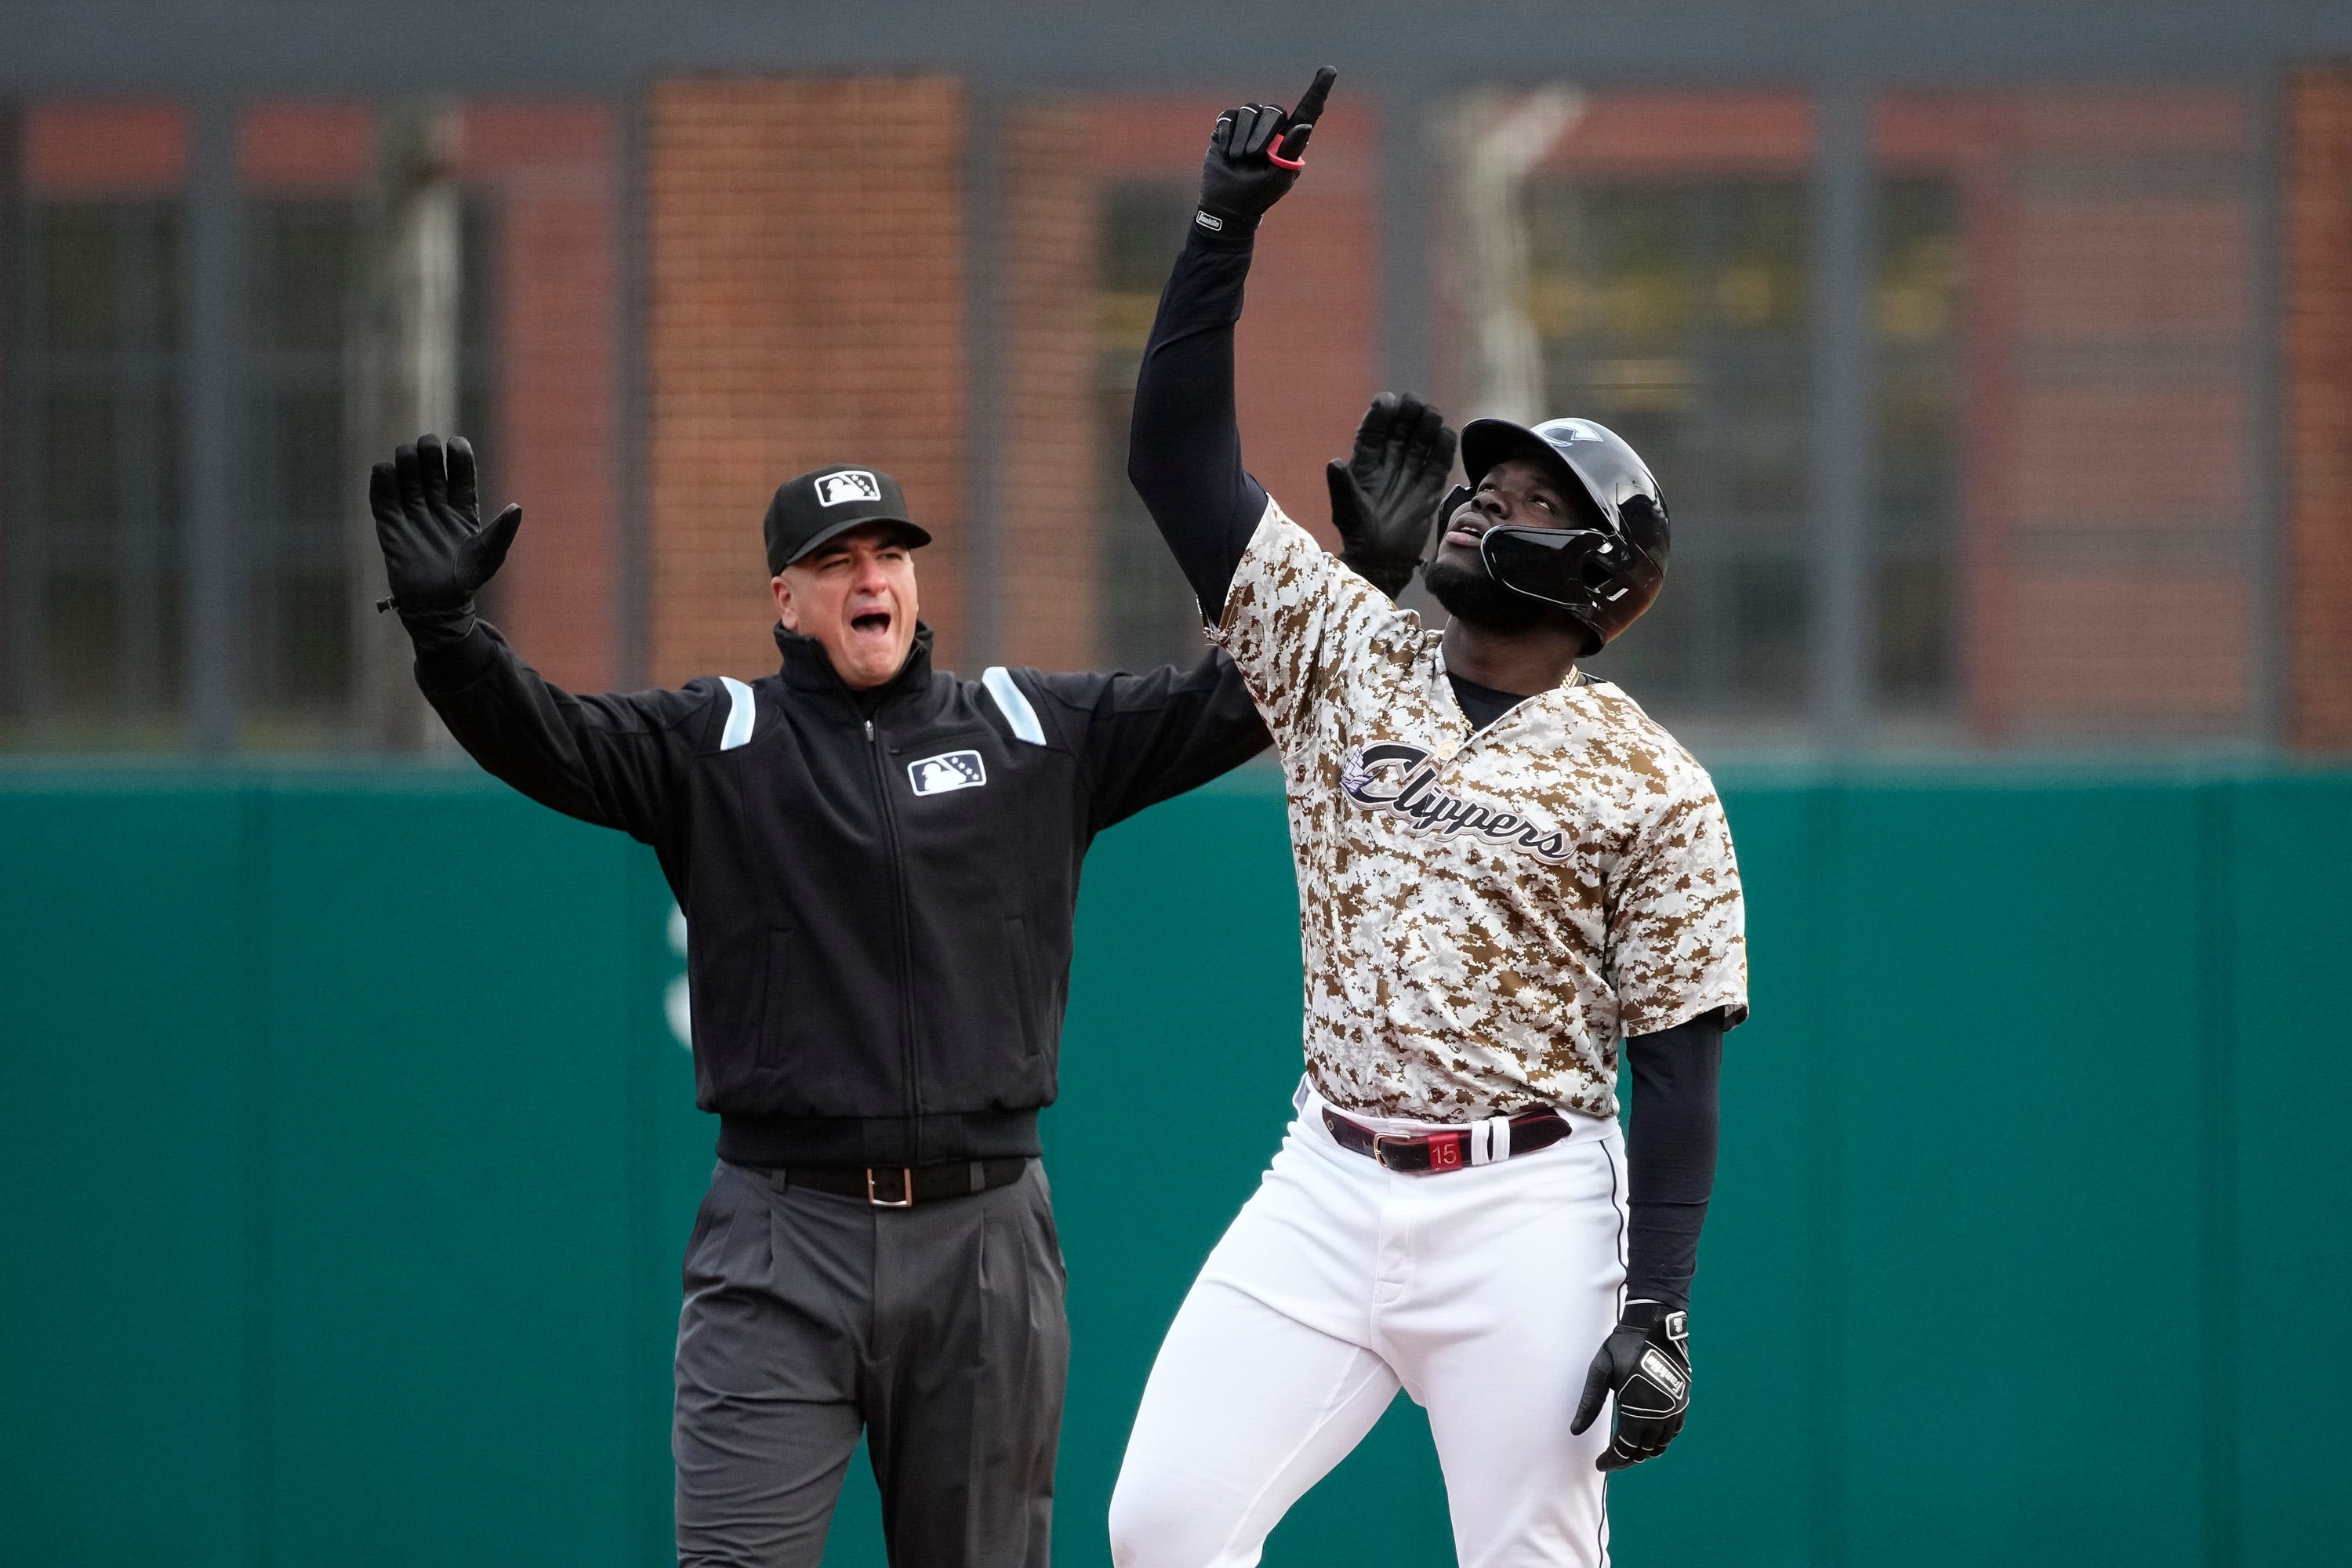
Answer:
x=906 y=1186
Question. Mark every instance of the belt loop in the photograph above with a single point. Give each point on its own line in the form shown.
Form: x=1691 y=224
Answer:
x=979 y=1176
x=1490 y=1141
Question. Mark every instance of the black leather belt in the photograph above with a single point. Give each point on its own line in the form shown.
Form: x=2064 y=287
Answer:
x=1447 y=1148
x=902 y=1187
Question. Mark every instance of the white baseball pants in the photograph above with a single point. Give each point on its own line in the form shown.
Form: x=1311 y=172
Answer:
x=1482 y=1292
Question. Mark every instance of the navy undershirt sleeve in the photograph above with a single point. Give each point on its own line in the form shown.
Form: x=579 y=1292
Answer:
x=1185 y=447
x=1670 y=1155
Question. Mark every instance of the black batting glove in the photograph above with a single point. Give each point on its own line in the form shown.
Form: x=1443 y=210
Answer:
x=1384 y=499
x=1645 y=1362
x=428 y=523
x=1252 y=160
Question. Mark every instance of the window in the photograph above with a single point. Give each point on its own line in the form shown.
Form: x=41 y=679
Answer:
x=304 y=264
x=93 y=574
x=1917 y=466
x=1148 y=614
x=1676 y=314
x=93 y=569
x=307 y=531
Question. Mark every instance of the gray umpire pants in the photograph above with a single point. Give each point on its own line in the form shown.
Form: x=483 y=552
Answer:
x=939 y=1329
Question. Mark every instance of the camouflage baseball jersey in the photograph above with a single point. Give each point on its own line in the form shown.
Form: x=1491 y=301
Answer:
x=1482 y=916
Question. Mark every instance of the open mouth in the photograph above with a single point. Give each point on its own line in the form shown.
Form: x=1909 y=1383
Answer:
x=1467 y=533
x=873 y=623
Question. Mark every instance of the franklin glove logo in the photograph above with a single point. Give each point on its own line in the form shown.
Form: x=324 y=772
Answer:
x=849 y=485
x=947 y=771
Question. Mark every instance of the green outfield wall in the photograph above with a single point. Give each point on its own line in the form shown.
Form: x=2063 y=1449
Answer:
x=347 y=1152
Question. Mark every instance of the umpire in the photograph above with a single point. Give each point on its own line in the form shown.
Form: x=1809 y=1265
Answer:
x=879 y=863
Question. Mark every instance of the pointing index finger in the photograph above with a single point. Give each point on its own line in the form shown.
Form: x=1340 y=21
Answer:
x=1290 y=148
x=1310 y=104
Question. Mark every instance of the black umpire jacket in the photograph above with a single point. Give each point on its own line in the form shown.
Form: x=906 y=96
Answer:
x=878 y=886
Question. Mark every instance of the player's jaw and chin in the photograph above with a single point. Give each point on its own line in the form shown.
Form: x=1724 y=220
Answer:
x=1457 y=575
x=1469 y=593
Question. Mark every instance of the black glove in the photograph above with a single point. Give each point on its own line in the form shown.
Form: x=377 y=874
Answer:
x=1646 y=1359
x=1253 y=157
x=1384 y=499
x=428 y=522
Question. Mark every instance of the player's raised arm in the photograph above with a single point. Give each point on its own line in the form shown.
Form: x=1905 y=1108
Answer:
x=1184 y=451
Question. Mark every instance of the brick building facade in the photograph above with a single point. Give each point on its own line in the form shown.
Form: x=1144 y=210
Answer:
x=2111 y=534
x=807 y=297
x=547 y=178
x=809 y=306
x=2317 y=339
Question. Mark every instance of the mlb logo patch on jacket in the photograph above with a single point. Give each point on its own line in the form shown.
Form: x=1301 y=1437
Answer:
x=947 y=771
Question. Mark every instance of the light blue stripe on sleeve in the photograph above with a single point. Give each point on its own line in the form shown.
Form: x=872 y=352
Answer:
x=1012 y=704
x=741 y=710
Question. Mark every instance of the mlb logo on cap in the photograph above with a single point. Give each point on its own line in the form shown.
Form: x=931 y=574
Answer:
x=825 y=503
x=847 y=486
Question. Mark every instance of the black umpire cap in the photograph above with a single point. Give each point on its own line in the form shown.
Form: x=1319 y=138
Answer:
x=827 y=502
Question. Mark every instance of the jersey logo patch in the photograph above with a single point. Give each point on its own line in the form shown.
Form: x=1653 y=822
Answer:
x=947 y=771
x=1391 y=777
x=849 y=485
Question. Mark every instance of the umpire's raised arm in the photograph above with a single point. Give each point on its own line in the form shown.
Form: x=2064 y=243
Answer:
x=609 y=759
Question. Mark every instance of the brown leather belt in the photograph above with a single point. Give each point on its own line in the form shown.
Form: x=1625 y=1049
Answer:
x=902 y=1187
x=1447 y=1148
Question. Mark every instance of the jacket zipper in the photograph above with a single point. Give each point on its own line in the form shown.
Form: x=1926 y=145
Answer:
x=905 y=980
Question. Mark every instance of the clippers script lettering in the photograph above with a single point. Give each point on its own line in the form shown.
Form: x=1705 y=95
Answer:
x=1389 y=776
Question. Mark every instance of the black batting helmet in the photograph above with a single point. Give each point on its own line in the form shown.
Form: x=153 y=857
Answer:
x=1605 y=569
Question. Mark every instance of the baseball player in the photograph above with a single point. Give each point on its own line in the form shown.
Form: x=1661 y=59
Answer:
x=878 y=862
x=1508 y=874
